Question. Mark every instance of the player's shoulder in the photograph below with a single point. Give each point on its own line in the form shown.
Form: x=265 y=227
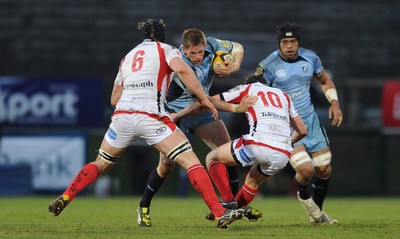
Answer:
x=271 y=58
x=167 y=46
x=171 y=49
x=214 y=44
x=307 y=52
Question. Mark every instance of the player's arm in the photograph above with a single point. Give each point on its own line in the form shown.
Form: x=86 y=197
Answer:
x=195 y=108
x=237 y=54
x=186 y=74
x=232 y=66
x=117 y=90
x=329 y=89
x=116 y=95
x=300 y=128
x=246 y=102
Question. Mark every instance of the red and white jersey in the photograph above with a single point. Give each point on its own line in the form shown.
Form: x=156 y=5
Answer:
x=269 y=117
x=145 y=75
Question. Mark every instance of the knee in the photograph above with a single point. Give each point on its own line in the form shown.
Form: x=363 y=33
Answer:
x=303 y=165
x=323 y=171
x=165 y=168
x=322 y=164
x=105 y=161
x=209 y=158
x=102 y=165
x=306 y=170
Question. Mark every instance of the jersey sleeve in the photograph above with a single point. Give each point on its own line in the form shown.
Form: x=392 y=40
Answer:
x=171 y=52
x=313 y=58
x=235 y=94
x=263 y=68
x=219 y=45
x=317 y=65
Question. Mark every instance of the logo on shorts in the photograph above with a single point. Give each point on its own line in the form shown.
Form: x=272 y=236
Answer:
x=161 y=130
x=111 y=133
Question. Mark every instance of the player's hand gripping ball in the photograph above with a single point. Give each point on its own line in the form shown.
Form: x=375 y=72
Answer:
x=219 y=59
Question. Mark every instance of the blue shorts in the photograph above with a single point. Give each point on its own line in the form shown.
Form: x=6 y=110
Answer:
x=316 y=139
x=187 y=124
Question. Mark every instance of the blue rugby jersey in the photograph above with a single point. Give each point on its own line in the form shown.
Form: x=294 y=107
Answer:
x=293 y=77
x=178 y=95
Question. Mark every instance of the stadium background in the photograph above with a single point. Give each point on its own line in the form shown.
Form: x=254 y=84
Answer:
x=356 y=40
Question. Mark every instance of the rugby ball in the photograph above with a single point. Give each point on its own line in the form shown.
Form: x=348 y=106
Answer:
x=219 y=58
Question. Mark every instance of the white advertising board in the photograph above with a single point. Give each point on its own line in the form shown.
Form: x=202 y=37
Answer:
x=54 y=160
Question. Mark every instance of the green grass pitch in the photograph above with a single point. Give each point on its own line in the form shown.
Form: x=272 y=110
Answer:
x=115 y=217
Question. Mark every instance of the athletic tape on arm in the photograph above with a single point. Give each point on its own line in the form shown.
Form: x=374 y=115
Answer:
x=331 y=94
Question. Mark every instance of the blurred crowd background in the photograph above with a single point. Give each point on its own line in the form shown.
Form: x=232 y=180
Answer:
x=59 y=59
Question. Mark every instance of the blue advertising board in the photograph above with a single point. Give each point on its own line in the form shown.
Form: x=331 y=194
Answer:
x=33 y=101
x=40 y=162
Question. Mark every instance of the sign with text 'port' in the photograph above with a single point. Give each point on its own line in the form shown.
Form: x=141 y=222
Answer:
x=51 y=101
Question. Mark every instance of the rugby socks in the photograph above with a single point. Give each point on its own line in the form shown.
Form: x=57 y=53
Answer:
x=319 y=188
x=220 y=177
x=153 y=184
x=86 y=176
x=201 y=182
x=245 y=196
x=233 y=178
x=303 y=190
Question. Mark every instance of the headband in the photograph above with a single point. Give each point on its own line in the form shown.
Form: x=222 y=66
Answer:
x=288 y=34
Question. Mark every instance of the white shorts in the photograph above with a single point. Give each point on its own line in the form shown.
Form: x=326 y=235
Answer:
x=247 y=152
x=127 y=126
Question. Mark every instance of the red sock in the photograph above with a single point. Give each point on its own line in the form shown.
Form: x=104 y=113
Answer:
x=201 y=182
x=85 y=177
x=220 y=177
x=245 y=196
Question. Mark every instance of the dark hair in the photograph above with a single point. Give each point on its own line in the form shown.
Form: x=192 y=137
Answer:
x=255 y=79
x=288 y=30
x=153 y=29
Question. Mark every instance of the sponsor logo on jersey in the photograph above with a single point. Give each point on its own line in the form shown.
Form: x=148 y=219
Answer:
x=259 y=71
x=274 y=115
x=224 y=44
x=139 y=85
x=304 y=68
x=281 y=73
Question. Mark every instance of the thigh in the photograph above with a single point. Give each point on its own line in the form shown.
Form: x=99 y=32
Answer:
x=222 y=154
x=189 y=123
x=214 y=133
x=316 y=139
x=177 y=142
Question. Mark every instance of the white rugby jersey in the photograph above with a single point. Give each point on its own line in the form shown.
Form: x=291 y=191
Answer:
x=269 y=117
x=145 y=75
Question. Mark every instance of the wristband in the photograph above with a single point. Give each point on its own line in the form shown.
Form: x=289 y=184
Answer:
x=235 y=108
x=331 y=94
